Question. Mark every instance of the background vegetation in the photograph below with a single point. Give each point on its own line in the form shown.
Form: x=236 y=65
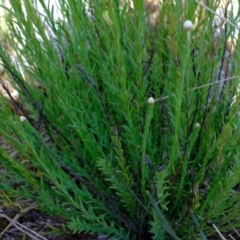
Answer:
x=92 y=149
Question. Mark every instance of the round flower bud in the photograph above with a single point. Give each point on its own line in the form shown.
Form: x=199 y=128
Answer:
x=23 y=118
x=197 y=125
x=188 y=25
x=15 y=94
x=151 y=100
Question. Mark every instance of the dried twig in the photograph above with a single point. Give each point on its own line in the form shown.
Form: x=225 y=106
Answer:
x=33 y=235
x=219 y=233
x=221 y=17
x=236 y=231
x=231 y=237
x=217 y=82
x=203 y=86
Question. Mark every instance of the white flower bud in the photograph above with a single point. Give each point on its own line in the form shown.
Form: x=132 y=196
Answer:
x=23 y=118
x=151 y=100
x=197 y=125
x=188 y=25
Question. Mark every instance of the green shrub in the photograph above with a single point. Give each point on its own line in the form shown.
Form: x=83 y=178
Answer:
x=94 y=151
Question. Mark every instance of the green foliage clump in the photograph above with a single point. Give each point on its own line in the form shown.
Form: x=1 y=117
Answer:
x=93 y=150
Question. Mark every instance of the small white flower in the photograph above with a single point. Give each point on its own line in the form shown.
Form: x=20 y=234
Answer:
x=197 y=125
x=23 y=118
x=151 y=100
x=15 y=94
x=188 y=25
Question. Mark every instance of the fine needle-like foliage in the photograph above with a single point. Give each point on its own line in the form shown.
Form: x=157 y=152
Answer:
x=121 y=132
